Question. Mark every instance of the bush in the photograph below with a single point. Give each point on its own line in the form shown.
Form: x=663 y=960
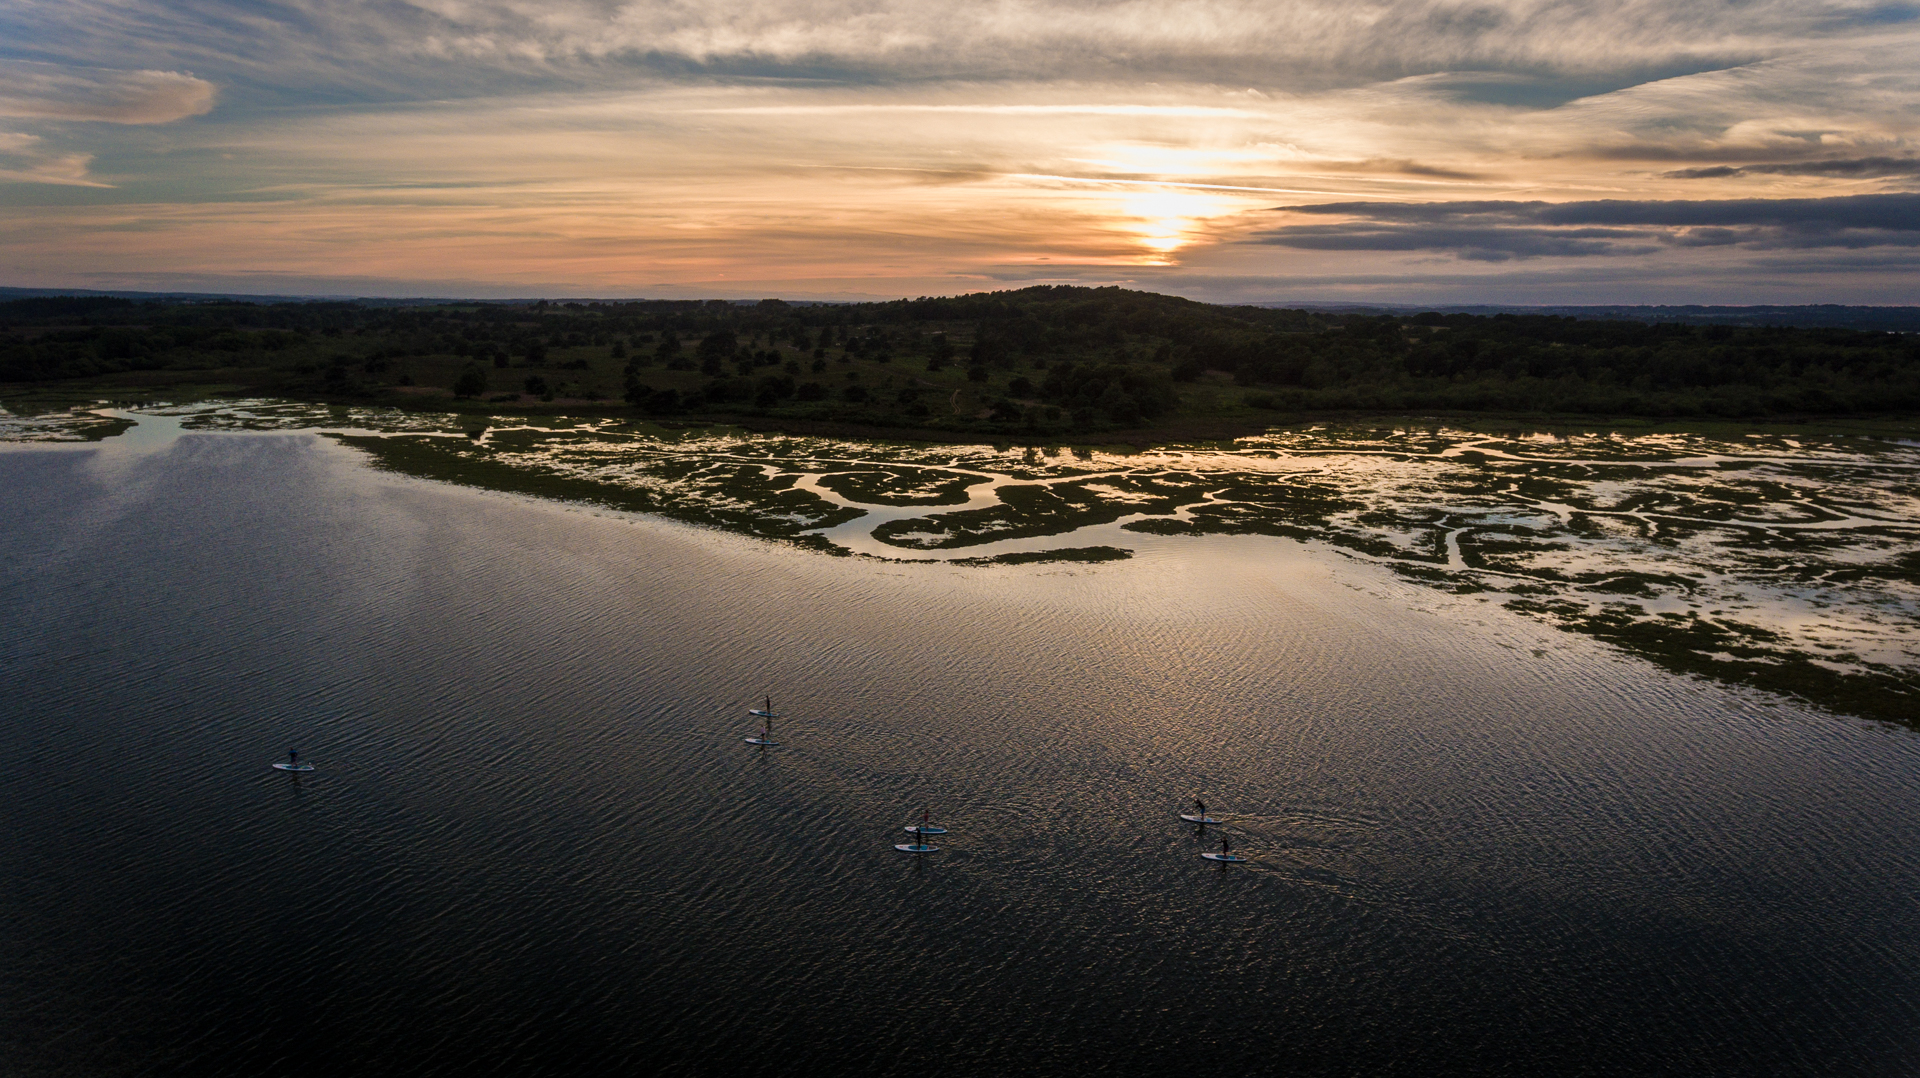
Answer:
x=471 y=383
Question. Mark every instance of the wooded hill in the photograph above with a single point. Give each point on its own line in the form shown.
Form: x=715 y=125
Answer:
x=1044 y=360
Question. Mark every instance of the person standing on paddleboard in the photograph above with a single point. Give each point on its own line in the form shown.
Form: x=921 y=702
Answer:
x=293 y=757
x=1202 y=806
x=1225 y=849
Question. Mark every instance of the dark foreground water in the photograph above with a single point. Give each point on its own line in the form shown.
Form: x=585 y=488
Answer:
x=537 y=845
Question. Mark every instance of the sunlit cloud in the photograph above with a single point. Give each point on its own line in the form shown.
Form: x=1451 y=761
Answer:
x=51 y=91
x=899 y=146
x=24 y=160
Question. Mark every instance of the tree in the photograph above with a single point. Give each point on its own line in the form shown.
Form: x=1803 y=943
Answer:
x=471 y=383
x=988 y=351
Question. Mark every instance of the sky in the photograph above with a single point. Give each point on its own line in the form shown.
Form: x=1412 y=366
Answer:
x=1270 y=151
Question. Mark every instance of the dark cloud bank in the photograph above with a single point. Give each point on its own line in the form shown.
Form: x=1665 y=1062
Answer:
x=1503 y=231
x=1846 y=168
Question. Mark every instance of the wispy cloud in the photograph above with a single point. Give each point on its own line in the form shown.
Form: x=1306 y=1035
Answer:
x=1842 y=167
x=1501 y=231
x=56 y=92
x=24 y=160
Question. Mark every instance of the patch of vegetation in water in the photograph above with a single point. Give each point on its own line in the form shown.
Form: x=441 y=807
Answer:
x=1032 y=509
x=1742 y=654
x=1066 y=554
x=901 y=486
x=78 y=424
x=739 y=498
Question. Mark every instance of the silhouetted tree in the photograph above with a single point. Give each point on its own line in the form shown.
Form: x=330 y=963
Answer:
x=471 y=383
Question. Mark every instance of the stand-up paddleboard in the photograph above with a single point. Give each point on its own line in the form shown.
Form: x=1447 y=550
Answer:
x=766 y=715
x=915 y=847
x=293 y=767
x=1198 y=819
x=926 y=825
x=1225 y=858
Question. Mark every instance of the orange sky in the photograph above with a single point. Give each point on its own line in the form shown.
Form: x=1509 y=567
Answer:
x=847 y=149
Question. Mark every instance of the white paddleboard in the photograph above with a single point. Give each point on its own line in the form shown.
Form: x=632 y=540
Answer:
x=759 y=714
x=916 y=847
x=1198 y=819
x=916 y=829
x=1229 y=858
x=293 y=767
x=752 y=741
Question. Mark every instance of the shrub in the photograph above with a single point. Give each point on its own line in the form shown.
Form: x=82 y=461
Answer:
x=471 y=383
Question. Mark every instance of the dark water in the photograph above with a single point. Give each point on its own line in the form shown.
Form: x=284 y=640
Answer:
x=537 y=845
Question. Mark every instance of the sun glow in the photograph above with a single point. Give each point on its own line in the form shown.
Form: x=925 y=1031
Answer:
x=1165 y=221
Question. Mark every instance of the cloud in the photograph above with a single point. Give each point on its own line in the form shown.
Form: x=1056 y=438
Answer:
x=1395 y=166
x=1494 y=231
x=24 y=159
x=1843 y=167
x=1897 y=211
x=53 y=92
x=1505 y=51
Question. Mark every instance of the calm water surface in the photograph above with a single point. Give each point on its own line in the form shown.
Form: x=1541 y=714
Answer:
x=536 y=844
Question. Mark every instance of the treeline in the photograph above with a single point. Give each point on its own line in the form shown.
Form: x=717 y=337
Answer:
x=1557 y=363
x=1047 y=357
